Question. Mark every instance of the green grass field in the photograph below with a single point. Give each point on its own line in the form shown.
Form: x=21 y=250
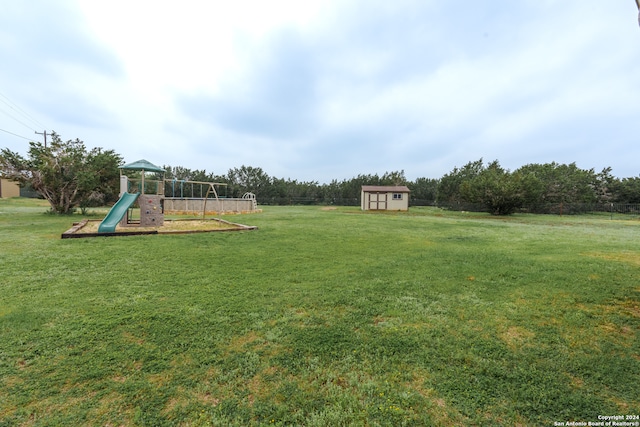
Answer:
x=321 y=318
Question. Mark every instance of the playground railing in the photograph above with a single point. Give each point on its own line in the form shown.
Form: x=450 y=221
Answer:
x=150 y=186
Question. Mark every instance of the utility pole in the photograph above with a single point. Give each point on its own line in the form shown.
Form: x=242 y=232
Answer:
x=45 y=133
x=638 y=4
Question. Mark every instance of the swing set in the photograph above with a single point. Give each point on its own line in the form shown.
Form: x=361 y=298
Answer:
x=194 y=189
x=191 y=187
x=196 y=196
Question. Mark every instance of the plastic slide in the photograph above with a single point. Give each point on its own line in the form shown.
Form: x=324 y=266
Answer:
x=117 y=212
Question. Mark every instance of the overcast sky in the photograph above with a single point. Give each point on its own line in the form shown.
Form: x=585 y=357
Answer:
x=321 y=90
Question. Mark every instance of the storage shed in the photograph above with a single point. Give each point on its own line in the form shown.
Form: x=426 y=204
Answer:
x=9 y=189
x=384 y=198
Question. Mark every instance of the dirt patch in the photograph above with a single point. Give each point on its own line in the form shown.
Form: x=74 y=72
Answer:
x=627 y=257
x=240 y=343
x=516 y=336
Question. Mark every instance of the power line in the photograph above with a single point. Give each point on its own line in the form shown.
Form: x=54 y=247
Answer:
x=19 y=121
x=19 y=110
x=12 y=105
x=15 y=134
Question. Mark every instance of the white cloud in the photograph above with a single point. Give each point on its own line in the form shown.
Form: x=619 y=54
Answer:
x=318 y=90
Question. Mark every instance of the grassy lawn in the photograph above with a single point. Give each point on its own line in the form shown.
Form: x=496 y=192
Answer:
x=321 y=318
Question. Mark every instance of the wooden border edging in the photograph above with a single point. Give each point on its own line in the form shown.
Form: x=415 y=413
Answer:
x=72 y=233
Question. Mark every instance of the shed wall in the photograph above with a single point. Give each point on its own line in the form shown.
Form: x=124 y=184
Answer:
x=383 y=201
x=9 y=189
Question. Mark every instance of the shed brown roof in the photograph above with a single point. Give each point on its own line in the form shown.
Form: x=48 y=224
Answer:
x=386 y=189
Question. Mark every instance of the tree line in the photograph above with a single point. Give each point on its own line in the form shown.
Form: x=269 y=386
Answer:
x=474 y=186
x=279 y=191
x=533 y=187
x=69 y=176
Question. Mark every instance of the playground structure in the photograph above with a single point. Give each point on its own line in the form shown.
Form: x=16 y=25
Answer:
x=145 y=183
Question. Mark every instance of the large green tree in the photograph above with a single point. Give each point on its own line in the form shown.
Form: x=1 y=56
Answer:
x=66 y=174
x=499 y=190
x=628 y=190
x=423 y=190
x=449 y=187
x=560 y=183
x=248 y=179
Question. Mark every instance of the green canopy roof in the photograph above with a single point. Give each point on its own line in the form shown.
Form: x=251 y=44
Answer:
x=143 y=165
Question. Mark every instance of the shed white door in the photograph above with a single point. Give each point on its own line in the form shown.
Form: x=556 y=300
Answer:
x=377 y=201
